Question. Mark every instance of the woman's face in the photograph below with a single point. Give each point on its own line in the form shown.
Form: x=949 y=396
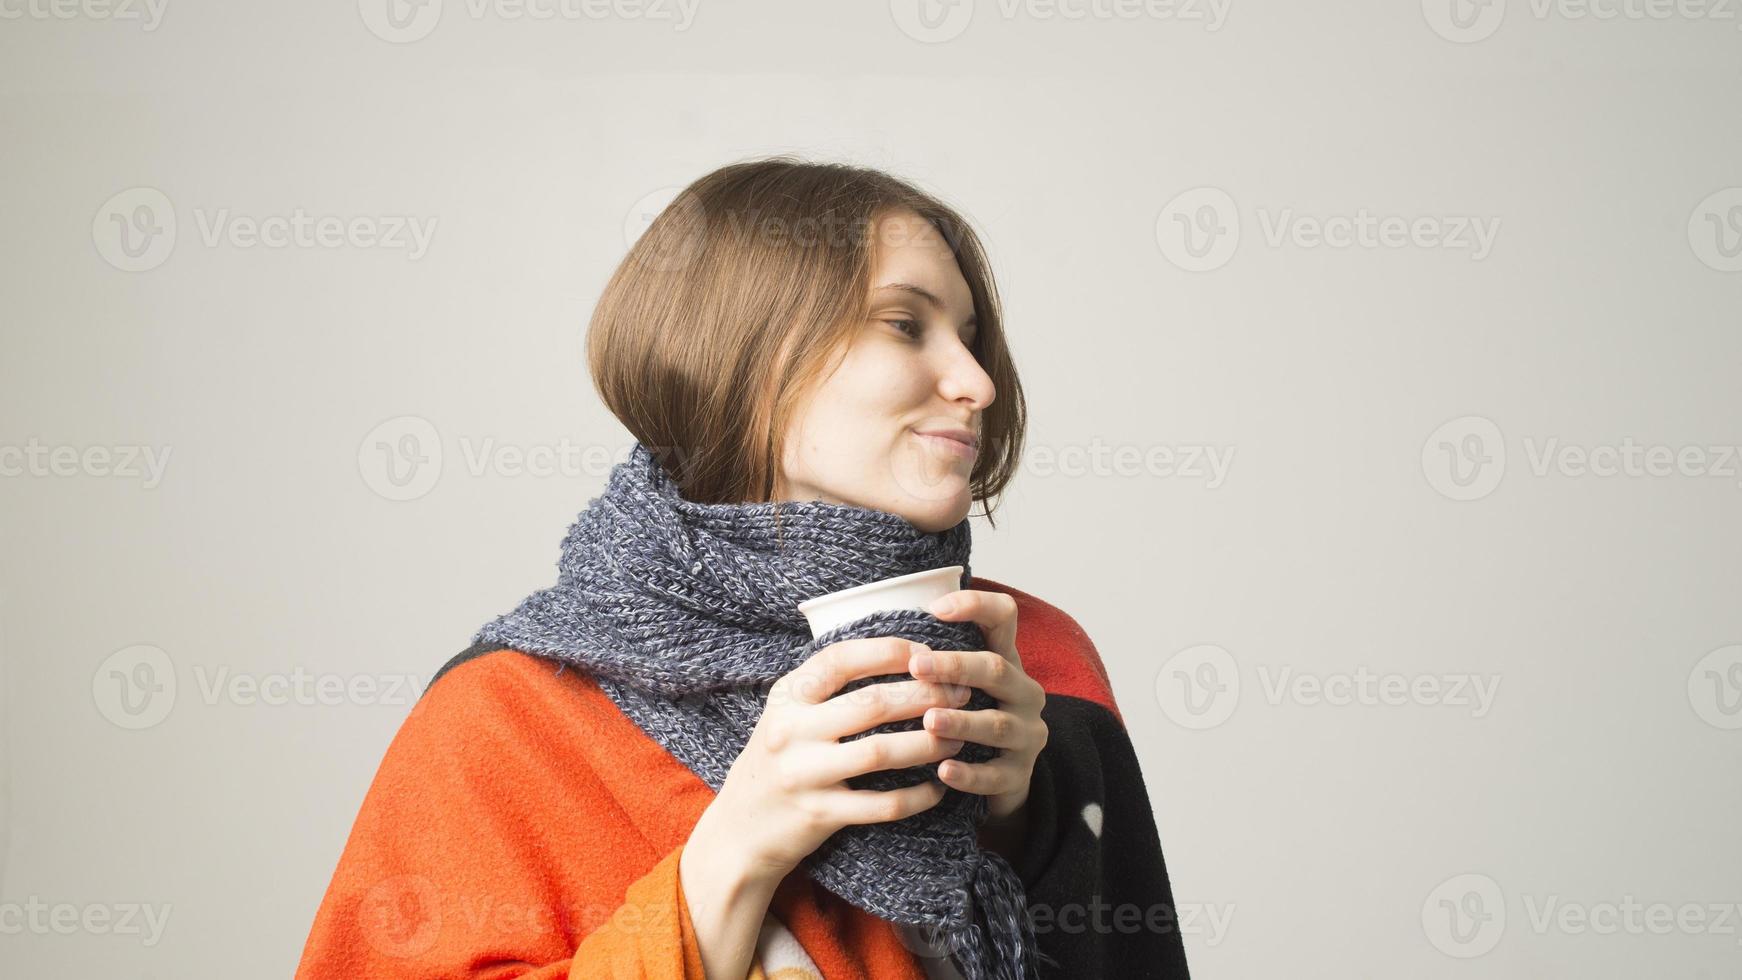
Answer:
x=876 y=432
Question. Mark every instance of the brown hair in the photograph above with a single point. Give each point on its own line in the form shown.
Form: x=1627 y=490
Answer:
x=735 y=301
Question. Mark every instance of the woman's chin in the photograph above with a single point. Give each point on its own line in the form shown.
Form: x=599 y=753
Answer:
x=931 y=496
x=936 y=515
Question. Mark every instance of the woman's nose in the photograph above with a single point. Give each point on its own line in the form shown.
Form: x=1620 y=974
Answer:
x=964 y=378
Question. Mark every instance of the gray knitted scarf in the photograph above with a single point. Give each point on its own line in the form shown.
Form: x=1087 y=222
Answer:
x=685 y=614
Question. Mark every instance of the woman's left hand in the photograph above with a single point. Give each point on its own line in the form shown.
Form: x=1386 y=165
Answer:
x=1014 y=726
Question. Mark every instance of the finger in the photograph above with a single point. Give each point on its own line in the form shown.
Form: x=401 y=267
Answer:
x=999 y=775
x=857 y=806
x=993 y=612
x=993 y=727
x=855 y=711
x=888 y=750
x=817 y=679
x=1002 y=678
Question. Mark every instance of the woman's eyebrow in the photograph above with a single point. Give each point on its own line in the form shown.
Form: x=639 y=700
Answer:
x=926 y=294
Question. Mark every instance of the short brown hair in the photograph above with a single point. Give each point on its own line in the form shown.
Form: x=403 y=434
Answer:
x=733 y=302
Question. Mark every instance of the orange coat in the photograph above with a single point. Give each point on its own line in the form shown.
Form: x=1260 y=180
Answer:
x=520 y=825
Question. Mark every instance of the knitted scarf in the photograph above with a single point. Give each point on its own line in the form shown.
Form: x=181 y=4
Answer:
x=685 y=614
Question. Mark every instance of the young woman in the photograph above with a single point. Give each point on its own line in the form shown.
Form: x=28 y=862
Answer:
x=653 y=770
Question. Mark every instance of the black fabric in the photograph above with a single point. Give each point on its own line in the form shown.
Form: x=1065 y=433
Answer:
x=472 y=652
x=1077 y=881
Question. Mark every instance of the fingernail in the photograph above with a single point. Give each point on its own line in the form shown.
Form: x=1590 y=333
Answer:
x=942 y=605
x=953 y=744
x=922 y=663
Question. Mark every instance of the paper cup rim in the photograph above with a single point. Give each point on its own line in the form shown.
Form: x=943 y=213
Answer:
x=885 y=583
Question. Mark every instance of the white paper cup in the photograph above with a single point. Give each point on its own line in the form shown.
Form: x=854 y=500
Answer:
x=916 y=591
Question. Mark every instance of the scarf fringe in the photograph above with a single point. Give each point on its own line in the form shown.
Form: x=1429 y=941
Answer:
x=1004 y=947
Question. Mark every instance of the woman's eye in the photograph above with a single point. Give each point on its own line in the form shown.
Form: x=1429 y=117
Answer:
x=910 y=327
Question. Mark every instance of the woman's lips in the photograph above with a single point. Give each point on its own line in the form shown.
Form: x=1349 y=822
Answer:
x=952 y=446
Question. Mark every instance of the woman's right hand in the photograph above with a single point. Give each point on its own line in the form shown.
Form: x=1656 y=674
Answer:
x=786 y=792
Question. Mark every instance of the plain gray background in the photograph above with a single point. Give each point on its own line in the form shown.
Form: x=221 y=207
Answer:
x=204 y=662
